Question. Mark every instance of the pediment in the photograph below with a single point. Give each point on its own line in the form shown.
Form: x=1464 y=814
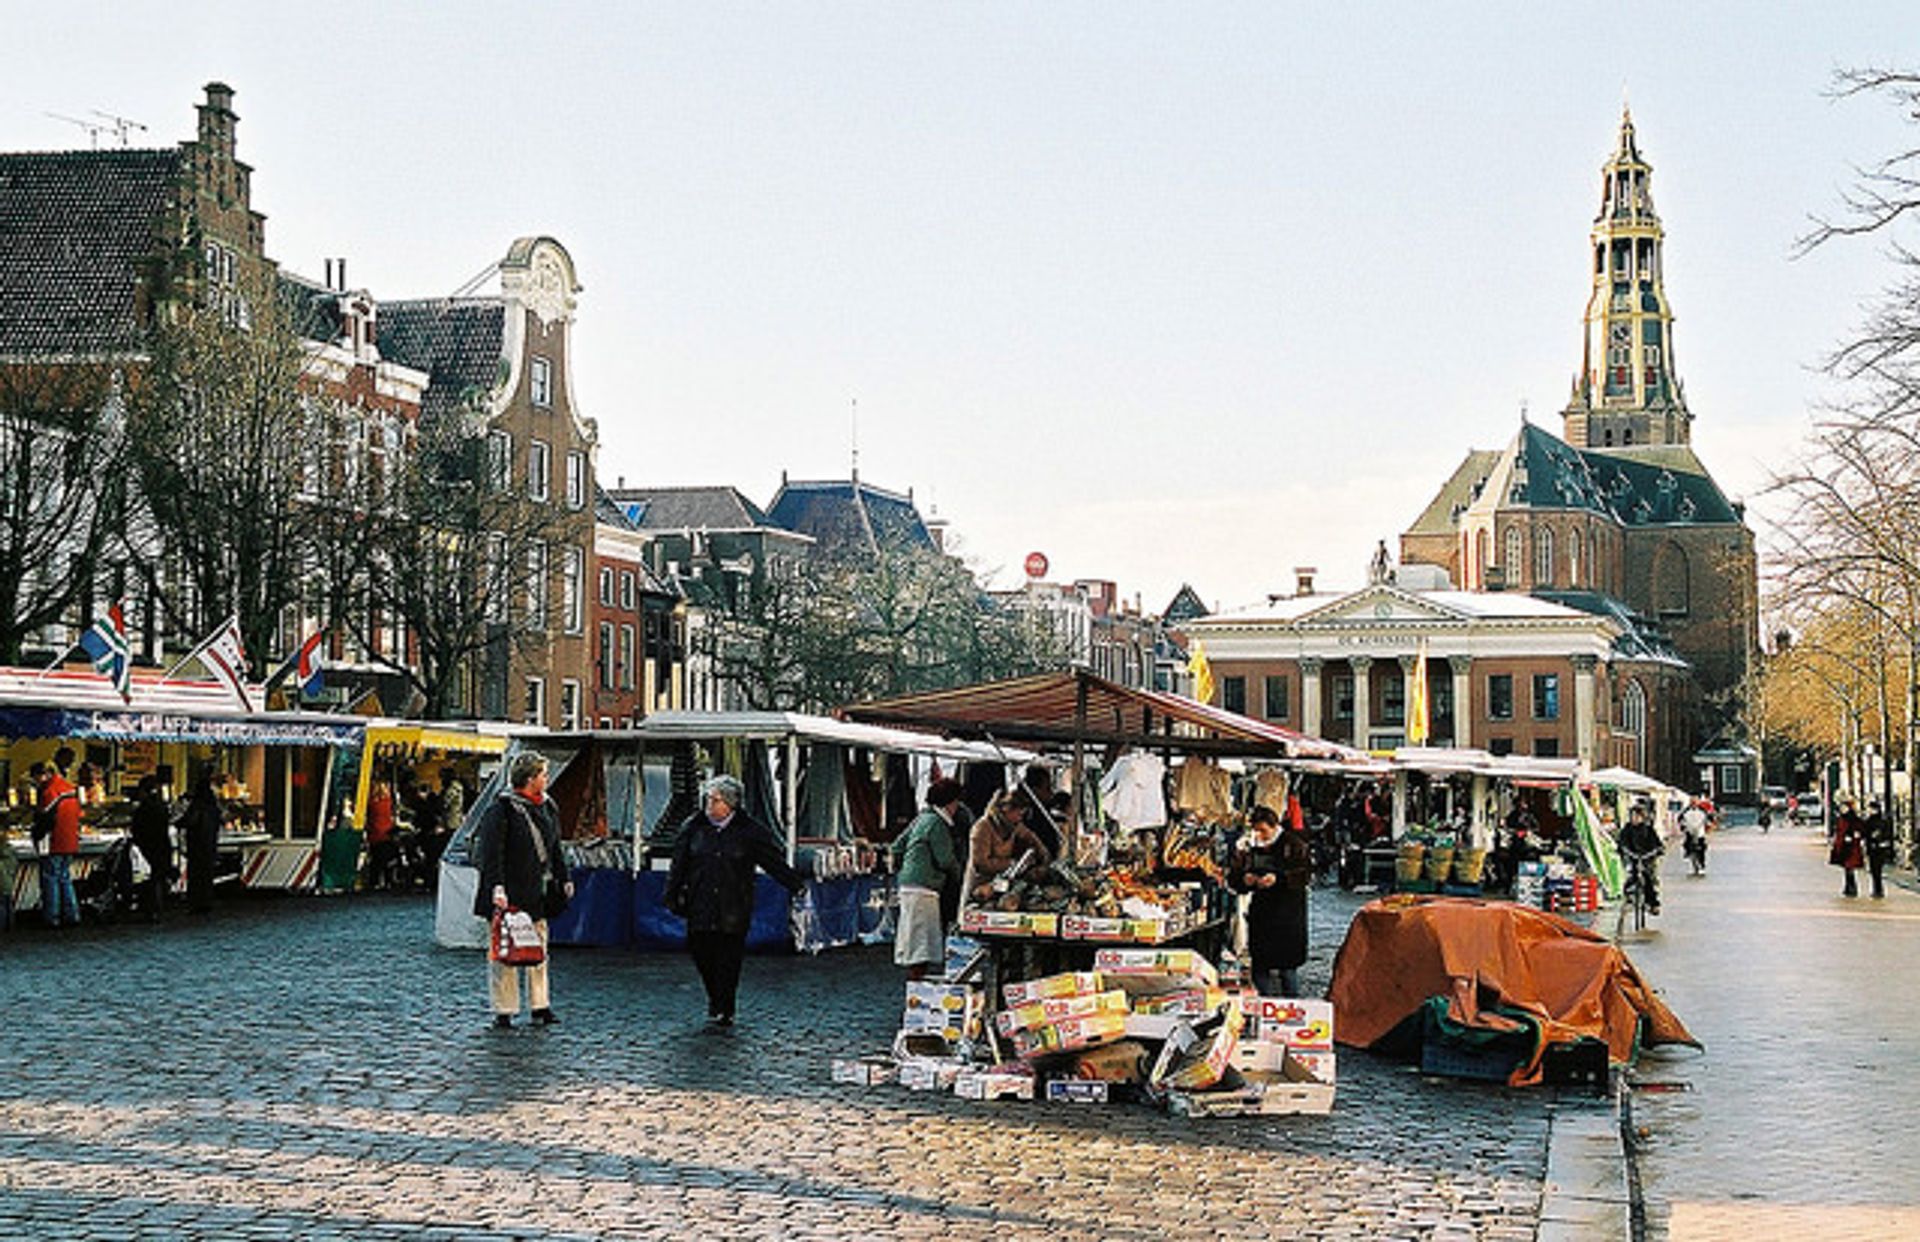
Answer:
x=1379 y=605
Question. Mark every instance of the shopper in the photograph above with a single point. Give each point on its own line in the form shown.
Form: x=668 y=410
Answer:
x=927 y=864
x=517 y=847
x=1276 y=867
x=1000 y=838
x=710 y=885
x=381 y=847
x=58 y=826
x=152 y=832
x=1849 y=847
x=200 y=824
x=1878 y=832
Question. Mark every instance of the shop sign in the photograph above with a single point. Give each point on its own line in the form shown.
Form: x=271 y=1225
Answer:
x=164 y=726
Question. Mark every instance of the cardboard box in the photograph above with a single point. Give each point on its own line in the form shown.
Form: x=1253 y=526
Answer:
x=1191 y=1061
x=930 y=1073
x=1304 y=1024
x=1070 y=1034
x=1042 y=1012
x=1078 y=1091
x=988 y=1085
x=1187 y=1002
x=1291 y=1090
x=1262 y=1058
x=864 y=1071
x=952 y=1011
x=1046 y=925
x=1124 y=1062
x=1156 y=970
x=1052 y=987
x=996 y=922
x=1089 y=927
x=1154 y=1026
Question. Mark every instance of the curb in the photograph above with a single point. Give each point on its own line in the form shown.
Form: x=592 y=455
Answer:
x=1588 y=1194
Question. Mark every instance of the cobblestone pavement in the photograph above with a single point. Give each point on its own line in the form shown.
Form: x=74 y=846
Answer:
x=309 y=1068
x=1799 y=1111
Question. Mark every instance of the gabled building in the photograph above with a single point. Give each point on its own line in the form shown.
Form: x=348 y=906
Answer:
x=639 y=626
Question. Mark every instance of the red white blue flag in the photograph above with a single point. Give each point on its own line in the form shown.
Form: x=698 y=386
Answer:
x=310 y=667
x=105 y=643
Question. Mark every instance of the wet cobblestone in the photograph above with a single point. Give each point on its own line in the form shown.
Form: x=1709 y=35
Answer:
x=307 y=1068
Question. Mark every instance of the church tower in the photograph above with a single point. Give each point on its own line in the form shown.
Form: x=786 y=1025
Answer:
x=1627 y=394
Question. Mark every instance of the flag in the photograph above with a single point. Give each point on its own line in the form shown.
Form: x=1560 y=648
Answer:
x=307 y=666
x=1417 y=725
x=1601 y=853
x=1202 y=673
x=225 y=655
x=105 y=643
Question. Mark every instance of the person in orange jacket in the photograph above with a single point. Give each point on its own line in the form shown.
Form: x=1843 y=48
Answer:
x=58 y=820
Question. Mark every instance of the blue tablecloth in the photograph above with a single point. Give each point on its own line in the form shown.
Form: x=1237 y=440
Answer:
x=614 y=907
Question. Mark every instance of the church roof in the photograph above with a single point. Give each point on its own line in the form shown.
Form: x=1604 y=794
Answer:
x=689 y=508
x=840 y=513
x=1460 y=490
x=75 y=228
x=1640 y=639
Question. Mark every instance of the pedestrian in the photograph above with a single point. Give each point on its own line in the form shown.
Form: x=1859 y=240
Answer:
x=1693 y=830
x=927 y=864
x=1000 y=839
x=1848 y=847
x=57 y=827
x=517 y=847
x=152 y=832
x=1276 y=867
x=1878 y=832
x=200 y=824
x=710 y=885
x=381 y=847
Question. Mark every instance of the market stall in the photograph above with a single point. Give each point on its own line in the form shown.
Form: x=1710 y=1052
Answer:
x=278 y=764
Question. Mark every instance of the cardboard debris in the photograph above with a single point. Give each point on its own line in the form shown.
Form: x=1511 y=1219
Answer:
x=1052 y=987
x=1043 y=1012
x=993 y=1085
x=864 y=1071
x=1071 y=1034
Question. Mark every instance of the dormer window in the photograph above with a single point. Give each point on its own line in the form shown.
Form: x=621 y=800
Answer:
x=540 y=383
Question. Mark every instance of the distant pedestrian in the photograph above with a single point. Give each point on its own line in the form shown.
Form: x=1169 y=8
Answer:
x=200 y=824
x=381 y=847
x=57 y=828
x=1276 y=867
x=711 y=886
x=517 y=847
x=152 y=832
x=1878 y=832
x=1848 y=847
x=927 y=866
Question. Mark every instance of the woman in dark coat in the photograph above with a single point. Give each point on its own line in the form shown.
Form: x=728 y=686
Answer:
x=200 y=824
x=516 y=846
x=152 y=833
x=1276 y=868
x=711 y=887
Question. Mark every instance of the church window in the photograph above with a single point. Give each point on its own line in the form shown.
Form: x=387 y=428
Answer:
x=1480 y=557
x=1543 y=557
x=1573 y=559
x=1599 y=260
x=1514 y=560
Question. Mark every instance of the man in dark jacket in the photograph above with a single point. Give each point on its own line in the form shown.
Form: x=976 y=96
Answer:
x=517 y=848
x=153 y=837
x=1878 y=831
x=711 y=887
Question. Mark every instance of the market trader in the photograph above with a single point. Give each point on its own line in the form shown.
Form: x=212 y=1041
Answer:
x=1000 y=838
x=711 y=886
x=1276 y=867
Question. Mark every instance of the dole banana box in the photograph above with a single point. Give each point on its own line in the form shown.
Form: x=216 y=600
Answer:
x=1043 y=1012
x=1052 y=987
x=1305 y=1025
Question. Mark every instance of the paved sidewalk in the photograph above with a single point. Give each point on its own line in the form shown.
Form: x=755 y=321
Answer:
x=309 y=1068
x=1799 y=1115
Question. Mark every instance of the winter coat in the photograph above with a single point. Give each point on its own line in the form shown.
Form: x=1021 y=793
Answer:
x=1879 y=838
x=927 y=857
x=711 y=882
x=152 y=834
x=60 y=802
x=503 y=847
x=1277 y=916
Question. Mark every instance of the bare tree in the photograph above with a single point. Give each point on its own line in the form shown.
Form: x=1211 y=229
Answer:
x=62 y=492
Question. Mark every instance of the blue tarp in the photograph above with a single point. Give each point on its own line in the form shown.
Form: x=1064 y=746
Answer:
x=613 y=907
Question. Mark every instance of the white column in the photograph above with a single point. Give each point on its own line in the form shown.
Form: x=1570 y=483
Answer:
x=1362 y=699
x=1583 y=707
x=1310 y=667
x=1462 y=666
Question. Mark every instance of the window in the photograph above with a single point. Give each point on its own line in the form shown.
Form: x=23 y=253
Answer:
x=606 y=587
x=539 y=470
x=1546 y=696
x=1514 y=560
x=499 y=578
x=536 y=585
x=499 y=459
x=1276 y=697
x=569 y=704
x=1543 y=557
x=576 y=479
x=1500 y=746
x=1393 y=702
x=626 y=589
x=1500 y=696
x=1732 y=778
x=1343 y=696
x=605 y=661
x=1546 y=748
x=626 y=657
x=573 y=582
x=534 y=712
x=540 y=383
x=1573 y=559
x=1233 y=694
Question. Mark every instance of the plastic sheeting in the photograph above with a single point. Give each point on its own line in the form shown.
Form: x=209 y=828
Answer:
x=1481 y=955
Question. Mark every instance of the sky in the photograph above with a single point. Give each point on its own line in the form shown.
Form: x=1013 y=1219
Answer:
x=1170 y=293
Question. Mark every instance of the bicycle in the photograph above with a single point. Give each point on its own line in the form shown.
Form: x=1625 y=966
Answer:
x=1633 y=896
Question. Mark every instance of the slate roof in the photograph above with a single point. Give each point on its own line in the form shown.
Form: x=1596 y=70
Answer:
x=1640 y=639
x=74 y=229
x=315 y=310
x=1185 y=606
x=460 y=342
x=848 y=513
x=689 y=508
x=1442 y=514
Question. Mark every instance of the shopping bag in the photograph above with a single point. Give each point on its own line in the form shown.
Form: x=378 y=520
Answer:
x=516 y=941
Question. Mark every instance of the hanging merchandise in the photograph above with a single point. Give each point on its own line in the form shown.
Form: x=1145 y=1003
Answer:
x=1270 y=789
x=1133 y=793
x=1205 y=790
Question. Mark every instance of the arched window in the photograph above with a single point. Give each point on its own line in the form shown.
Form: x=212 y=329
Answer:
x=1633 y=718
x=1543 y=557
x=1480 y=540
x=1671 y=581
x=1515 y=559
x=1595 y=570
x=1573 y=558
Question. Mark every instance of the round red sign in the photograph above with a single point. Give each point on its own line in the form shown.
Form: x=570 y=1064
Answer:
x=1036 y=564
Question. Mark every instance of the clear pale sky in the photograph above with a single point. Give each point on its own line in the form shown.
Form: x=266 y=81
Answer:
x=1169 y=292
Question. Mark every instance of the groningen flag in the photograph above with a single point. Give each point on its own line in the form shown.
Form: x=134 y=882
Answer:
x=1418 y=707
x=105 y=643
x=1202 y=671
x=1598 y=847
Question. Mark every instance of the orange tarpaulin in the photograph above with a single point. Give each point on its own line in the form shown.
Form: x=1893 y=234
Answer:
x=1404 y=949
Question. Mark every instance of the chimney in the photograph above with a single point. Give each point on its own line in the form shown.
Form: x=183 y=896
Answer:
x=1303 y=579
x=217 y=120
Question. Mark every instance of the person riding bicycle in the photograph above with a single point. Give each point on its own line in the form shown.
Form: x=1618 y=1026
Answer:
x=1640 y=841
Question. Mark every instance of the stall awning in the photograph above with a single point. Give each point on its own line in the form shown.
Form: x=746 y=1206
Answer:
x=771 y=726
x=413 y=738
x=138 y=726
x=1060 y=708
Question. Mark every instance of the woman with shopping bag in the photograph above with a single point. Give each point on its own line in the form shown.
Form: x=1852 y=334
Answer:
x=522 y=871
